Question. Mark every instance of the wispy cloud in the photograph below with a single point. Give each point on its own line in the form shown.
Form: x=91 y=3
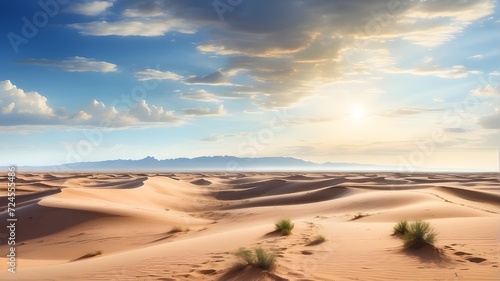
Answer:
x=205 y=111
x=487 y=91
x=457 y=71
x=90 y=8
x=200 y=95
x=153 y=74
x=428 y=59
x=476 y=57
x=74 y=64
x=143 y=27
x=408 y=111
x=309 y=120
x=289 y=43
x=213 y=138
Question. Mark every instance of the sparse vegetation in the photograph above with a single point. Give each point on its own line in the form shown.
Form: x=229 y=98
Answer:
x=265 y=260
x=257 y=258
x=246 y=255
x=401 y=227
x=419 y=234
x=285 y=226
x=177 y=229
x=358 y=216
x=318 y=239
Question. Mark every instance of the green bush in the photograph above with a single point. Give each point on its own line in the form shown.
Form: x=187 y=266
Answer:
x=401 y=227
x=285 y=226
x=317 y=240
x=246 y=255
x=258 y=258
x=419 y=234
x=264 y=260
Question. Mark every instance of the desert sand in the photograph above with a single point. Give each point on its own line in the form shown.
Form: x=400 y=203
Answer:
x=106 y=226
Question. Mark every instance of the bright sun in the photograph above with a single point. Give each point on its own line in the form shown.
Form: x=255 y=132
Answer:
x=357 y=112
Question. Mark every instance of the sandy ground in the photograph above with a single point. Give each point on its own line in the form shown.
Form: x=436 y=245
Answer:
x=126 y=221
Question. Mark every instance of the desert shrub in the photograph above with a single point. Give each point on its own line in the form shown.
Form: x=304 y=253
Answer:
x=285 y=226
x=419 y=234
x=318 y=239
x=265 y=260
x=246 y=255
x=177 y=229
x=401 y=227
x=257 y=258
x=358 y=216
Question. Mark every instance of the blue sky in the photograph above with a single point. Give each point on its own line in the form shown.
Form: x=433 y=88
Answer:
x=413 y=84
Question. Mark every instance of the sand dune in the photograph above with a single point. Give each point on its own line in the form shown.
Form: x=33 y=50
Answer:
x=187 y=226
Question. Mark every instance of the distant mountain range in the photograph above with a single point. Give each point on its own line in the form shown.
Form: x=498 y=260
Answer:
x=209 y=163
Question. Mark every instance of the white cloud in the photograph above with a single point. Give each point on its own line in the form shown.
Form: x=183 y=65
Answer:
x=15 y=101
x=462 y=11
x=200 y=95
x=213 y=48
x=220 y=137
x=91 y=8
x=438 y=100
x=143 y=27
x=487 y=91
x=205 y=111
x=18 y=107
x=457 y=71
x=8 y=109
x=146 y=8
x=428 y=59
x=476 y=57
x=82 y=116
x=132 y=13
x=429 y=35
x=495 y=73
x=139 y=113
x=75 y=64
x=97 y=110
x=431 y=23
x=153 y=74
x=145 y=113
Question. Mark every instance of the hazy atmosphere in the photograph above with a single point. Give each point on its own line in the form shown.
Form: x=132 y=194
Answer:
x=378 y=82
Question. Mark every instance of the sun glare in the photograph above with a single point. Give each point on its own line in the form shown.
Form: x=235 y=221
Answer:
x=357 y=112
